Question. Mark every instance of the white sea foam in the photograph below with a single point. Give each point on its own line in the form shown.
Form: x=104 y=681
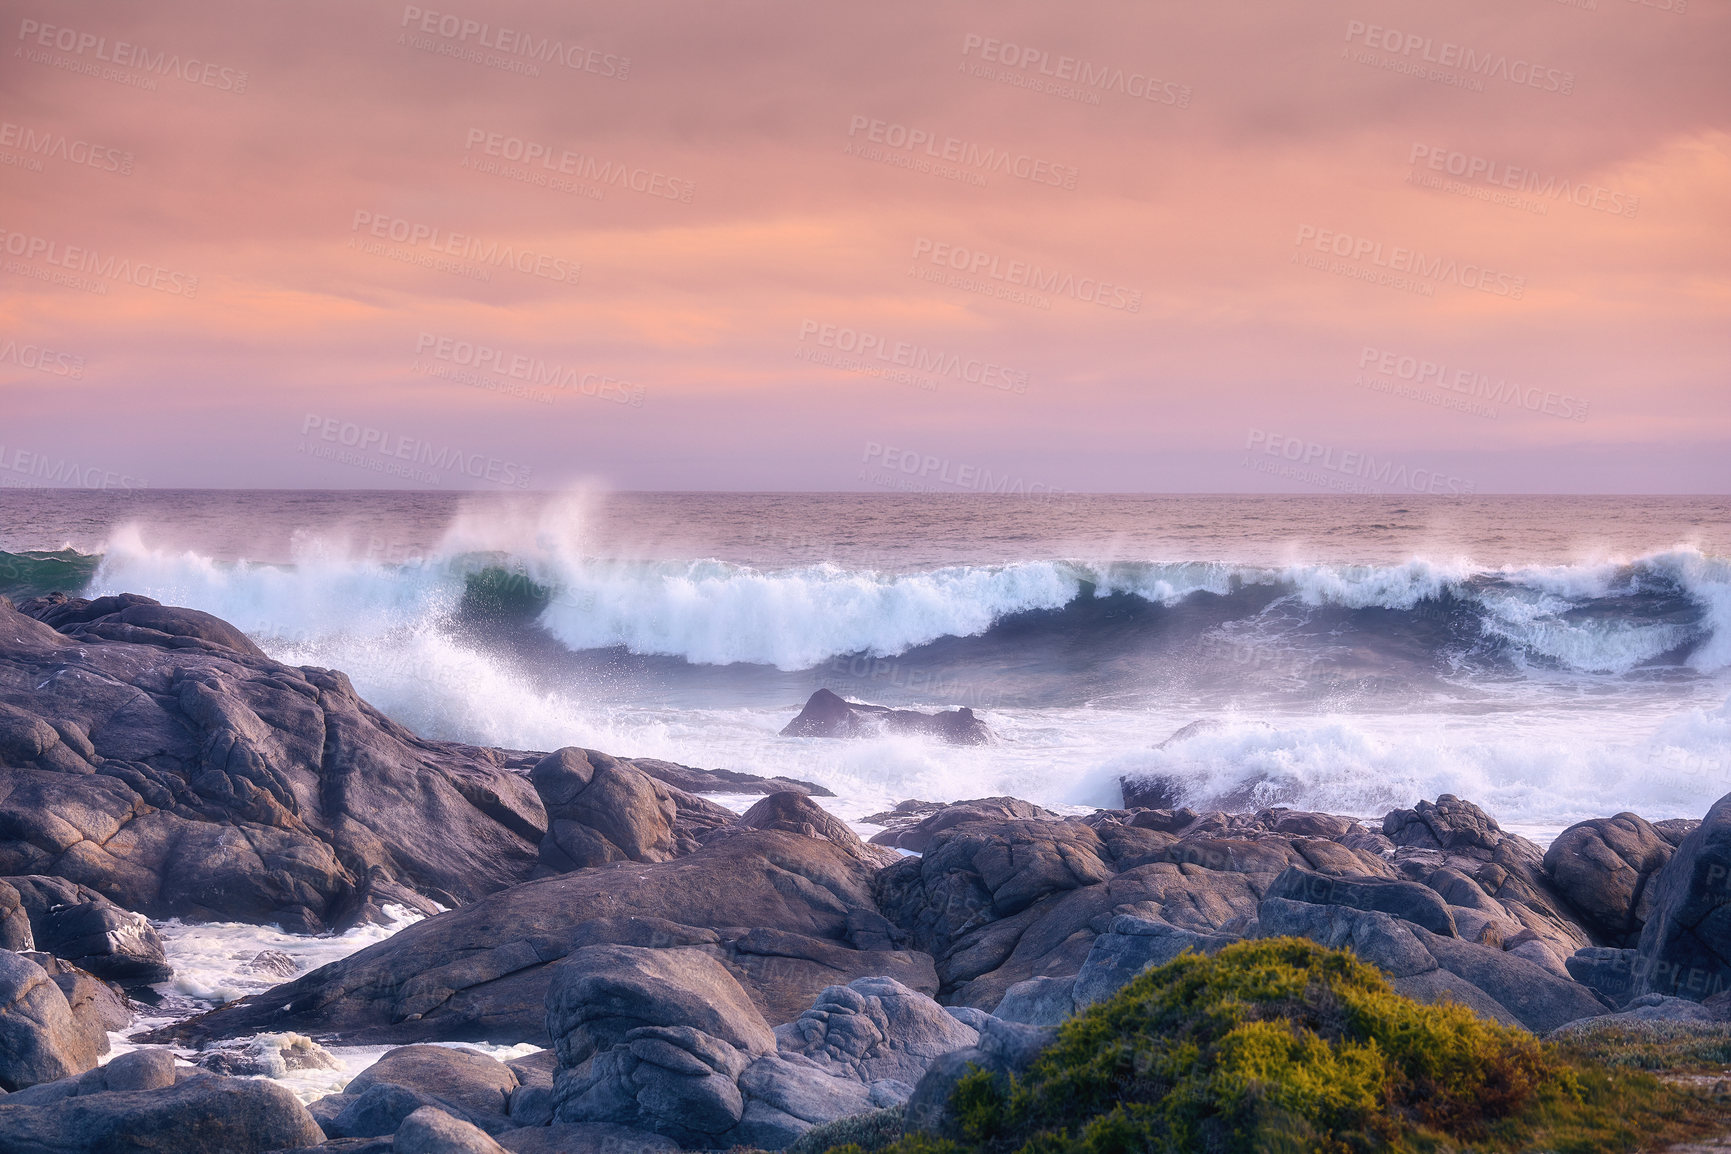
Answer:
x=718 y=613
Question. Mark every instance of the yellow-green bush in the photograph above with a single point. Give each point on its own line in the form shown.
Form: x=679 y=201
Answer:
x=1282 y=1045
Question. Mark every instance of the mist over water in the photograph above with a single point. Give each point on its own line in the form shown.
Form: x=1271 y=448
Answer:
x=1550 y=658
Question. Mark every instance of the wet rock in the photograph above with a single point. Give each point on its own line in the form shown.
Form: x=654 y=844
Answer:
x=273 y=963
x=827 y=715
x=268 y=1056
x=97 y=1006
x=76 y=923
x=1151 y=791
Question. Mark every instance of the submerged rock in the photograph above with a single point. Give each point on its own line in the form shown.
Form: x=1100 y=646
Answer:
x=827 y=715
x=268 y=1056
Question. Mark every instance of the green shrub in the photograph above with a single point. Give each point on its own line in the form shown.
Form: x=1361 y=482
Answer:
x=1282 y=1045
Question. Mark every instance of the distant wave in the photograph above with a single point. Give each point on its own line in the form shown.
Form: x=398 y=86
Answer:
x=1671 y=608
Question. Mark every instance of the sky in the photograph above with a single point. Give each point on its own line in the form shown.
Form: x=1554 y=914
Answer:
x=1340 y=246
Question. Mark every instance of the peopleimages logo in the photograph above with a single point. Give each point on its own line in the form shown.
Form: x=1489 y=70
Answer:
x=1402 y=260
x=380 y=451
x=975 y=262
x=61 y=38
x=578 y=165
x=1496 y=174
x=1071 y=70
x=525 y=47
x=1473 y=64
x=1420 y=372
x=464 y=247
x=915 y=358
x=1359 y=470
x=58 y=146
x=954 y=150
x=79 y=259
x=534 y=372
x=42 y=359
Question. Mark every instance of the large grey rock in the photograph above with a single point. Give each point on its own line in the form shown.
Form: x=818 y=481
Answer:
x=601 y=994
x=1460 y=851
x=785 y=1098
x=532 y=1100
x=1130 y=946
x=1650 y=1008
x=40 y=1041
x=15 y=932
x=653 y=1040
x=146 y=1069
x=1493 y=981
x=602 y=809
x=1686 y=942
x=430 y=1130
x=199 y=1115
x=585 y=1138
x=874 y=1029
x=156 y=756
x=1534 y=994
x=923 y=821
x=98 y=1007
x=372 y=1112
x=1612 y=973
x=78 y=924
x=690 y=780
x=1003 y=902
x=1602 y=868
x=472 y=1085
x=1039 y=1001
x=482 y=972
x=1408 y=901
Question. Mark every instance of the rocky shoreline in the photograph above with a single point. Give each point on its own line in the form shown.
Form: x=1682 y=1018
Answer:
x=693 y=978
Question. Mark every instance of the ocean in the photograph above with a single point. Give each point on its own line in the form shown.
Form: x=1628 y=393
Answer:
x=1551 y=658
